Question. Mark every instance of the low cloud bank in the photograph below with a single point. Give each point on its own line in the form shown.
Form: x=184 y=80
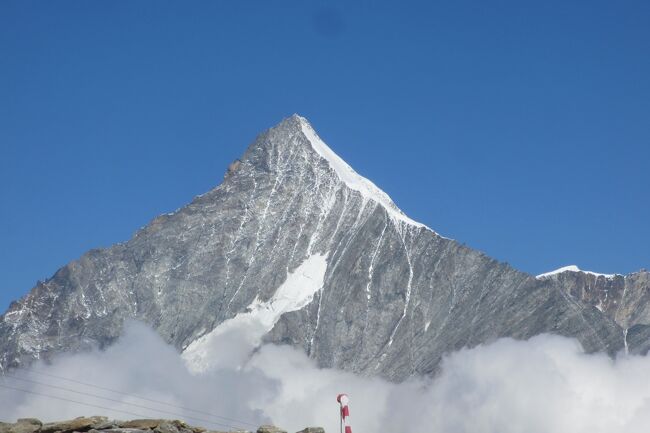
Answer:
x=546 y=384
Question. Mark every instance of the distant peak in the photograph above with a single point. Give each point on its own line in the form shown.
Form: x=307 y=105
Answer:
x=573 y=268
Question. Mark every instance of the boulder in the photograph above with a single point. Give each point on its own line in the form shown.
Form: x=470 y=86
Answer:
x=23 y=425
x=312 y=430
x=120 y=430
x=104 y=425
x=30 y=421
x=166 y=427
x=270 y=429
x=142 y=424
x=80 y=424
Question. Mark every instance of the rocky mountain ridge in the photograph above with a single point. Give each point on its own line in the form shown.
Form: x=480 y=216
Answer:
x=296 y=245
x=623 y=298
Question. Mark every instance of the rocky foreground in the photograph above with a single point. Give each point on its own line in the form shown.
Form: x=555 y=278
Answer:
x=101 y=424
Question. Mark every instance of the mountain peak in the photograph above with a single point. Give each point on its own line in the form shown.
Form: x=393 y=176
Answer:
x=295 y=247
x=344 y=171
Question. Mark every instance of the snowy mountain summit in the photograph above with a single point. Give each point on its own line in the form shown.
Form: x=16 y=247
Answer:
x=295 y=247
x=351 y=179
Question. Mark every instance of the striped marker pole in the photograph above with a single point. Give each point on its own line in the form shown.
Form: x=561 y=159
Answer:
x=345 y=412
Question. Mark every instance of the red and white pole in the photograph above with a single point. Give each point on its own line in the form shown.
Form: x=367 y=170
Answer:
x=345 y=412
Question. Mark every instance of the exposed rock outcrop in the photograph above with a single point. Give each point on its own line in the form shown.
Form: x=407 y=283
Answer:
x=100 y=424
x=24 y=425
x=270 y=429
x=625 y=299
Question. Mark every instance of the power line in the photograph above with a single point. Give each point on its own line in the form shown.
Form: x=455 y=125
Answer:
x=72 y=401
x=130 y=395
x=118 y=401
x=101 y=407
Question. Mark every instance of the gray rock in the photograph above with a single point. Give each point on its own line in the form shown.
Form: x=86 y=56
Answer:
x=166 y=427
x=312 y=430
x=270 y=429
x=30 y=421
x=23 y=425
x=80 y=424
x=142 y=424
x=638 y=339
x=396 y=295
x=125 y=430
x=105 y=425
x=625 y=299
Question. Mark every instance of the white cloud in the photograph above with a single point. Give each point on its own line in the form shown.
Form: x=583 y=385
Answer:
x=140 y=363
x=546 y=384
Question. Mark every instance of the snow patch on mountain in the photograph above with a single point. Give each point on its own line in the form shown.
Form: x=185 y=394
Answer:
x=352 y=179
x=573 y=268
x=205 y=353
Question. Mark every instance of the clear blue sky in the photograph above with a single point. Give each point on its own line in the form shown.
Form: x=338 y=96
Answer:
x=521 y=128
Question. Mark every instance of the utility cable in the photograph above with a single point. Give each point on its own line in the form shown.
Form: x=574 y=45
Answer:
x=127 y=395
x=107 y=399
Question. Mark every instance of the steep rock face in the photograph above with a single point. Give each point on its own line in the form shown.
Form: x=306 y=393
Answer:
x=394 y=296
x=623 y=298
